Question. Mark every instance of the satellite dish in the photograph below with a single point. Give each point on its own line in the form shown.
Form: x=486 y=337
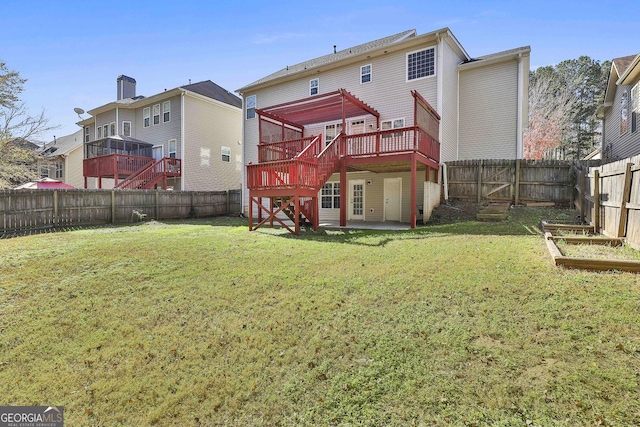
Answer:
x=78 y=110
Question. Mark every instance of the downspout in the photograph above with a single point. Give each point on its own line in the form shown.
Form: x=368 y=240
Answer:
x=182 y=156
x=439 y=79
x=445 y=182
x=244 y=168
x=521 y=105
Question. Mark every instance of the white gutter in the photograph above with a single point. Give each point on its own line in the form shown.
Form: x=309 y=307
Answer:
x=244 y=169
x=182 y=179
x=523 y=102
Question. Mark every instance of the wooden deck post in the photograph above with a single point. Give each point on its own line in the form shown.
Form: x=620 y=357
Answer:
x=296 y=210
x=414 y=188
x=583 y=193
x=250 y=212
x=343 y=193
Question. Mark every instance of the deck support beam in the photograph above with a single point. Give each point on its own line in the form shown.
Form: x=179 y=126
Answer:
x=343 y=193
x=414 y=188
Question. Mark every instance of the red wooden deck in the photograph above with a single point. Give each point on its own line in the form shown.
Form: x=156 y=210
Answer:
x=291 y=171
x=136 y=171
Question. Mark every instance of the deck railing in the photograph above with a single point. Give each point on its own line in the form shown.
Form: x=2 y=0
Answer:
x=392 y=141
x=283 y=150
x=114 y=164
x=312 y=166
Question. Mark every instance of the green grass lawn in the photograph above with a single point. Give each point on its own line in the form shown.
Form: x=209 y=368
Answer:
x=203 y=323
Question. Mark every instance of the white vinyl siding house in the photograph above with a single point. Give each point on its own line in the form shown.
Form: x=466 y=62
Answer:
x=180 y=123
x=620 y=112
x=434 y=65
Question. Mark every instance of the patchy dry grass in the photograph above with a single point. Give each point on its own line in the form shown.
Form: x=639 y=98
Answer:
x=205 y=323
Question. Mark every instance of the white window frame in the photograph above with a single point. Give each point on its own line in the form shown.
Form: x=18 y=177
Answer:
x=334 y=126
x=635 y=107
x=362 y=73
x=44 y=170
x=156 y=114
x=146 y=117
x=112 y=128
x=333 y=195
x=173 y=153
x=624 y=111
x=59 y=171
x=432 y=48
x=225 y=152
x=166 y=111
x=250 y=107
x=105 y=131
x=124 y=131
x=87 y=134
x=313 y=87
x=392 y=125
x=98 y=132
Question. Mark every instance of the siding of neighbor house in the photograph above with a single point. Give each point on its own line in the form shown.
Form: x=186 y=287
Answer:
x=622 y=145
x=487 y=102
x=393 y=102
x=161 y=133
x=73 y=167
x=210 y=125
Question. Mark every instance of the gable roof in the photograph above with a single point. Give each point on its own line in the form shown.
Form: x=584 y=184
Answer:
x=623 y=71
x=62 y=145
x=355 y=53
x=205 y=88
x=211 y=90
x=332 y=57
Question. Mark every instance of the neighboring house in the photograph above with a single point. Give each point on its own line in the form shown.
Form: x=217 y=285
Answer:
x=187 y=138
x=62 y=160
x=387 y=111
x=620 y=110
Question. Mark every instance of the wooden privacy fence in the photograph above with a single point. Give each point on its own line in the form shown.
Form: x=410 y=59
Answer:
x=608 y=197
x=30 y=210
x=513 y=181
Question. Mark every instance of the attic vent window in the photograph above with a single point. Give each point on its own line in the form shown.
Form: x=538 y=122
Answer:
x=421 y=64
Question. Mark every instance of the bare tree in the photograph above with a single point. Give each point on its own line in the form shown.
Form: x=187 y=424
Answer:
x=17 y=125
x=551 y=113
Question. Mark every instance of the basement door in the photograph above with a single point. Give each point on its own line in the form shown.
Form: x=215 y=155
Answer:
x=158 y=152
x=356 y=200
x=392 y=199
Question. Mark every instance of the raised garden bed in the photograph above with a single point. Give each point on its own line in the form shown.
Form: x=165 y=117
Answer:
x=578 y=246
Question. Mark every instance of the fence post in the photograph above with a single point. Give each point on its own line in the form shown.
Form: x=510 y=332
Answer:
x=626 y=194
x=596 y=201
x=55 y=208
x=572 y=184
x=479 y=181
x=228 y=206
x=517 y=184
x=157 y=210
x=113 y=206
x=583 y=193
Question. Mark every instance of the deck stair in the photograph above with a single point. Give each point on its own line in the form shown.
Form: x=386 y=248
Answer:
x=150 y=175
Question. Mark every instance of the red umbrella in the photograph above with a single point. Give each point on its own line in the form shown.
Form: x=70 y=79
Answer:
x=45 y=183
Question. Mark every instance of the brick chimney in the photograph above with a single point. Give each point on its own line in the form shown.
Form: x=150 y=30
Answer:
x=126 y=87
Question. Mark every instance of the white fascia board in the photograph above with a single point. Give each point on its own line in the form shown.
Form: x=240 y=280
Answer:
x=508 y=56
x=630 y=74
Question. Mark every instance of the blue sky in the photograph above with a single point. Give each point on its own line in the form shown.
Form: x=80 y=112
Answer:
x=71 y=52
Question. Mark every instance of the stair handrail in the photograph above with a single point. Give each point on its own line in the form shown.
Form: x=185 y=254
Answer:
x=328 y=159
x=133 y=176
x=305 y=154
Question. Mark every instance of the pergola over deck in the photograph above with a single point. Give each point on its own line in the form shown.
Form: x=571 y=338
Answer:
x=284 y=122
x=292 y=165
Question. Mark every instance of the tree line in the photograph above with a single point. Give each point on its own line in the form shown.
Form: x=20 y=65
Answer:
x=563 y=100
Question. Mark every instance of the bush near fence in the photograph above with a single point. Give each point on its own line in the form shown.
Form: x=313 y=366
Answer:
x=31 y=210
